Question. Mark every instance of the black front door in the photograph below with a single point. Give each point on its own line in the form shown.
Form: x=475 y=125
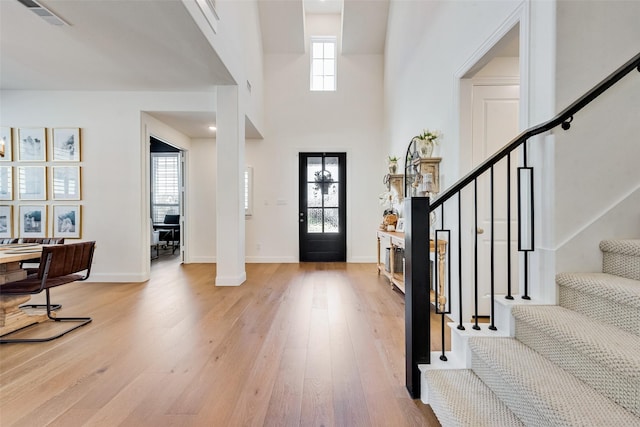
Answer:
x=322 y=214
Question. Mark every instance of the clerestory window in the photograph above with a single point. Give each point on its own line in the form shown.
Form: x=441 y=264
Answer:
x=323 y=63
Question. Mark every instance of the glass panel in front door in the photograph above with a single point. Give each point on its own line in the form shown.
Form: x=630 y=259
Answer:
x=323 y=189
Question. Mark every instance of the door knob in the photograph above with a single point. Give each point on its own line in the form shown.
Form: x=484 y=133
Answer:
x=480 y=230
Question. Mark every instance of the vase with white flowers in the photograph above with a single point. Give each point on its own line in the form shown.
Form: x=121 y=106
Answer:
x=426 y=141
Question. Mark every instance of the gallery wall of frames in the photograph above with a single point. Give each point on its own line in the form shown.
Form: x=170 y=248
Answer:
x=40 y=182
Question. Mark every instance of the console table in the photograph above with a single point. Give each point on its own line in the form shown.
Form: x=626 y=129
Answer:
x=393 y=240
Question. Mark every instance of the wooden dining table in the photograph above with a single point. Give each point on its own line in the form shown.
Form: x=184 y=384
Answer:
x=12 y=317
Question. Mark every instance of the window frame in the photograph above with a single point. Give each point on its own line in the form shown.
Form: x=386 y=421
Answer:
x=324 y=40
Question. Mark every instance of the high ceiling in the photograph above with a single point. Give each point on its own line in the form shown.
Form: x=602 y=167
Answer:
x=364 y=24
x=133 y=45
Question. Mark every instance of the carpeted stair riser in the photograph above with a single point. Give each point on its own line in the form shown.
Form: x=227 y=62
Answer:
x=602 y=356
x=604 y=297
x=539 y=392
x=511 y=396
x=460 y=399
x=621 y=257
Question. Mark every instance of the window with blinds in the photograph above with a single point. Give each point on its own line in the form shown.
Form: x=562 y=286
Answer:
x=165 y=185
x=248 y=191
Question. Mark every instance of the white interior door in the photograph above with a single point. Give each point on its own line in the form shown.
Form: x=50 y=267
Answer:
x=494 y=124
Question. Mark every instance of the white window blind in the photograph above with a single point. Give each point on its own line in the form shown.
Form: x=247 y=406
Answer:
x=248 y=191
x=323 y=63
x=165 y=186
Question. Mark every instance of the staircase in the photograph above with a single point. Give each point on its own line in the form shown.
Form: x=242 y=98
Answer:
x=572 y=364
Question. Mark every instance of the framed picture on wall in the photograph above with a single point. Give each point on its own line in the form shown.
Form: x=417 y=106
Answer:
x=33 y=221
x=6 y=221
x=6 y=183
x=66 y=145
x=66 y=221
x=32 y=144
x=32 y=183
x=6 y=144
x=66 y=182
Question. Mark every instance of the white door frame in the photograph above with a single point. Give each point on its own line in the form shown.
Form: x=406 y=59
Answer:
x=463 y=88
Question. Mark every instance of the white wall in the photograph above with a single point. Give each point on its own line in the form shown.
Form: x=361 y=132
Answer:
x=427 y=43
x=596 y=161
x=202 y=201
x=114 y=164
x=298 y=120
x=238 y=43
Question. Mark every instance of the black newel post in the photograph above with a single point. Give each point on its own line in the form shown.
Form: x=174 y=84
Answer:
x=416 y=283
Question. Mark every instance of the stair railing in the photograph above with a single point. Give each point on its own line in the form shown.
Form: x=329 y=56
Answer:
x=419 y=230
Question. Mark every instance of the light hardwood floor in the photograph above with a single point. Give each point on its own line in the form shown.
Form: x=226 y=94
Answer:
x=296 y=345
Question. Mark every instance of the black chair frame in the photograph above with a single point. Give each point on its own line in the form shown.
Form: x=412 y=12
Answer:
x=40 y=241
x=63 y=274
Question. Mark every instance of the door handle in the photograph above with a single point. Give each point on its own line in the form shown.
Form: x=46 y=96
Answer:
x=480 y=230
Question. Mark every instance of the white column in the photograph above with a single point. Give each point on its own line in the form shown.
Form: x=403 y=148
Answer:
x=230 y=250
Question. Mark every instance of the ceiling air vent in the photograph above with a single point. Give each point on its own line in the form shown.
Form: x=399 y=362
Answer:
x=43 y=12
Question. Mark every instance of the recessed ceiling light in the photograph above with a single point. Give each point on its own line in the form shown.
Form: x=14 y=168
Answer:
x=212 y=128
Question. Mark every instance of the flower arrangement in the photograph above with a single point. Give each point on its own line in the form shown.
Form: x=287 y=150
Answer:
x=428 y=135
x=387 y=199
x=426 y=141
x=393 y=159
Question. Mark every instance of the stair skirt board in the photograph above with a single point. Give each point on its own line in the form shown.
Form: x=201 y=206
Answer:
x=601 y=355
x=539 y=392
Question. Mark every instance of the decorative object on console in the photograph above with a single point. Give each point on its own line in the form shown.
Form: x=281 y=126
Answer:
x=390 y=214
x=389 y=222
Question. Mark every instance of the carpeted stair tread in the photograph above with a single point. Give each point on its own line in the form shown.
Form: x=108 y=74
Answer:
x=459 y=398
x=618 y=289
x=621 y=257
x=621 y=246
x=538 y=391
x=601 y=355
x=616 y=349
x=603 y=297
